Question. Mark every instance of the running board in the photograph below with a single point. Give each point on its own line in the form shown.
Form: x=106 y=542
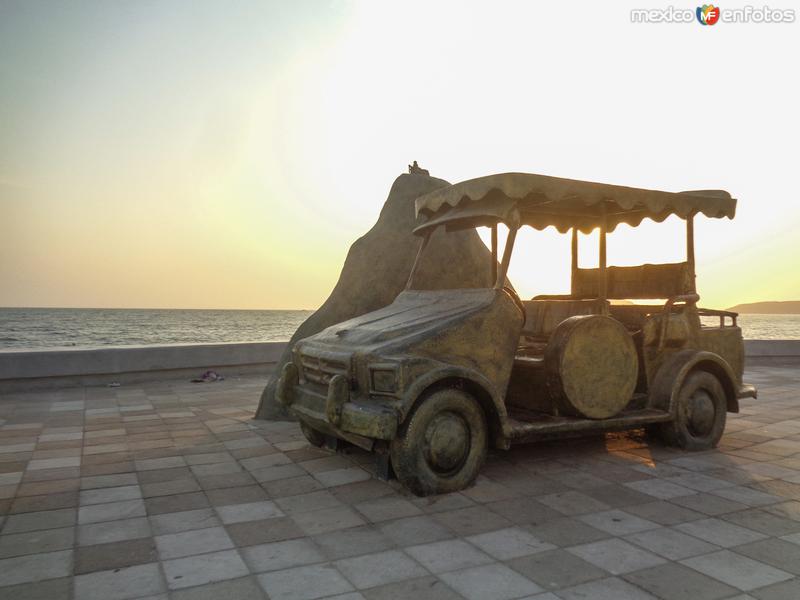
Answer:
x=538 y=424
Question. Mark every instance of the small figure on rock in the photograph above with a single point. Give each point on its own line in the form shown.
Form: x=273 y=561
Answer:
x=416 y=169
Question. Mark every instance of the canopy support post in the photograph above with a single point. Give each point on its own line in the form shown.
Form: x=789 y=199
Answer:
x=494 y=253
x=690 y=249
x=602 y=273
x=422 y=246
x=512 y=235
x=574 y=271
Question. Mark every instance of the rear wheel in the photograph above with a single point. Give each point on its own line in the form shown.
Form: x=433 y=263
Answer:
x=442 y=445
x=314 y=437
x=700 y=414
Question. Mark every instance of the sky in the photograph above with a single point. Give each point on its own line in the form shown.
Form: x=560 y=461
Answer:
x=226 y=154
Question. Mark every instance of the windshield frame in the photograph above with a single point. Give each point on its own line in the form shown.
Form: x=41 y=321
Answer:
x=499 y=272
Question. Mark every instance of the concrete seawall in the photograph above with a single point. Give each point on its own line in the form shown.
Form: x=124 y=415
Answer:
x=42 y=369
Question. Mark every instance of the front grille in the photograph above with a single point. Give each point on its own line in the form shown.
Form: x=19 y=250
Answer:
x=320 y=370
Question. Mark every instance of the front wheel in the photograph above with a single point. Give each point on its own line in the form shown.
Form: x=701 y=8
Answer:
x=699 y=414
x=442 y=445
x=314 y=437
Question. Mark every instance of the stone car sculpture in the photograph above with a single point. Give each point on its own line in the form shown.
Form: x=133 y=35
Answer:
x=433 y=380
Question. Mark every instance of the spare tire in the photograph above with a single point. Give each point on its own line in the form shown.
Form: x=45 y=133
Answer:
x=591 y=366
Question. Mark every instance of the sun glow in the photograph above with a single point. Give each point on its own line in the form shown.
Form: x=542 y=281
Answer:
x=228 y=156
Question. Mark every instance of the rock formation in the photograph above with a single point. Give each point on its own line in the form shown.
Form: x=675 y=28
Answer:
x=378 y=264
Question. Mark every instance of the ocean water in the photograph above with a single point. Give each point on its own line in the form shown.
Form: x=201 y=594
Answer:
x=37 y=328
x=769 y=327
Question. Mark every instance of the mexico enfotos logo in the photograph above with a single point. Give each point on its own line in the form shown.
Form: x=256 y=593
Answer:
x=711 y=14
x=708 y=14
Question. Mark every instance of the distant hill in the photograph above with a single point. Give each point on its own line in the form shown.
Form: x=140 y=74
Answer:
x=790 y=307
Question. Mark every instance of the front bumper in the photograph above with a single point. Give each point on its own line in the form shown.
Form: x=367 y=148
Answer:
x=335 y=413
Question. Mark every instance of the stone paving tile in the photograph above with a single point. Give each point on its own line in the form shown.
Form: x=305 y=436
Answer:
x=566 y=532
x=304 y=583
x=113 y=531
x=778 y=553
x=339 y=477
x=746 y=496
x=739 y=571
x=35 y=567
x=522 y=511
x=35 y=521
x=114 y=555
x=183 y=521
x=113 y=511
x=54 y=463
x=111 y=480
x=225 y=480
x=429 y=505
x=163 y=475
x=44 y=503
x=281 y=555
x=352 y=542
x=120 y=584
x=245 y=588
x=659 y=488
x=414 y=530
x=110 y=494
x=236 y=495
x=670 y=543
x=573 y=503
x=169 y=488
x=664 y=513
x=506 y=544
x=720 y=532
x=617 y=522
x=422 y=588
x=386 y=508
x=763 y=522
x=786 y=590
x=471 y=521
x=616 y=556
x=204 y=568
x=618 y=496
x=176 y=503
x=327 y=519
x=708 y=504
x=50 y=589
x=194 y=541
x=448 y=555
x=382 y=567
x=672 y=581
x=315 y=500
x=612 y=588
x=160 y=463
x=556 y=569
x=249 y=511
x=789 y=510
x=35 y=542
x=490 y=582
x=250 y=533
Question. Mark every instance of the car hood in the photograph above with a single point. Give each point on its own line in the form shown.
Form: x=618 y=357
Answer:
x=415 y=315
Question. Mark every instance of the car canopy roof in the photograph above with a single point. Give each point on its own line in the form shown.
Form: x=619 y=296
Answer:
x=541 y=201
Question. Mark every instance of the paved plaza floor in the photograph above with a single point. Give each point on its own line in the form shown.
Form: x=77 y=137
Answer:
x=170 y=491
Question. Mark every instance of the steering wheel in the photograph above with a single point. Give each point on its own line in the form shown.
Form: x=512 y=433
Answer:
x=515 y=297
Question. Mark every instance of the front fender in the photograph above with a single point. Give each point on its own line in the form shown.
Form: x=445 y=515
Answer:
x=670 y=376
x=486 y=394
